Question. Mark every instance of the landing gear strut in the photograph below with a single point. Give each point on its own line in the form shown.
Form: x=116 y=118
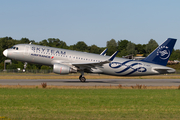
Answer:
x=82 y=78
x=25 y=65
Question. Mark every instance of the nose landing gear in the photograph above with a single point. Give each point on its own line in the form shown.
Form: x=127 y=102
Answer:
x=25 y=65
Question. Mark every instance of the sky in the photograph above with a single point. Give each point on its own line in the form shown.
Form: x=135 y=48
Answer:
x=91 y=21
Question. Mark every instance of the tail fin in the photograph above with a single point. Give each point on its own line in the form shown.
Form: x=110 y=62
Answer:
x=162 y=53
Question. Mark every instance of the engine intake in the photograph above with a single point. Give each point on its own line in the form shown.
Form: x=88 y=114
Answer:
x=62 y=69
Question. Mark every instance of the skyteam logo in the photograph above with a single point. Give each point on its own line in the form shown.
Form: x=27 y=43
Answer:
x=163 y=52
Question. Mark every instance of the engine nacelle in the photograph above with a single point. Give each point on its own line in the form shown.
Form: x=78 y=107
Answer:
x=62 y=69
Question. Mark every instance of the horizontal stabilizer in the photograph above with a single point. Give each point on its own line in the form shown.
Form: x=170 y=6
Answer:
x=164 y=70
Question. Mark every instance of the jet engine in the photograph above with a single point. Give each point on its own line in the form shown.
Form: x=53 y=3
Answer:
x=62 y=69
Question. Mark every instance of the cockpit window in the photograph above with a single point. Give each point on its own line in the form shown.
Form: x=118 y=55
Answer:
x=16 y=48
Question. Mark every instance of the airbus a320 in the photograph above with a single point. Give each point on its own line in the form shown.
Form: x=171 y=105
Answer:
x=69 y=61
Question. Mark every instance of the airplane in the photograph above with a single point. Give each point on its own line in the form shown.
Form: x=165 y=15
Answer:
x=69 y=61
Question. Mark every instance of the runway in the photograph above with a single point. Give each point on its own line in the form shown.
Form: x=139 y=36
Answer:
x=92 y=82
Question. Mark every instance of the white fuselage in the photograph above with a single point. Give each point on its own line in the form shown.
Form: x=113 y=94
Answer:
x=49 y=56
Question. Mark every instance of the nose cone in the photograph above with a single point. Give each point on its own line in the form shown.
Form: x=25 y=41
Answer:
x=5 y=52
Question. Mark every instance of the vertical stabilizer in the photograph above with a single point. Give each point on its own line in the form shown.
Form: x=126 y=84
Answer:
x=162 y=53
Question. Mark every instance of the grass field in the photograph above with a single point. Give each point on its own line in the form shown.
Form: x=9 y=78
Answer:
x=35 y=104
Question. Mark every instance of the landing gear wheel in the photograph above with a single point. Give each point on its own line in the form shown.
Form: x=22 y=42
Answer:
x=82 y=79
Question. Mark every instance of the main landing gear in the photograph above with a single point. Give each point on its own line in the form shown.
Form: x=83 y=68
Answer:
x=82 y=78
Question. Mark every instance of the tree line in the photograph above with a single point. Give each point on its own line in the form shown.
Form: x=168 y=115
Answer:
x=124 y=47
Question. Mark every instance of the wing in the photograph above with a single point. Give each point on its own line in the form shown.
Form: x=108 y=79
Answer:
x=94 y=64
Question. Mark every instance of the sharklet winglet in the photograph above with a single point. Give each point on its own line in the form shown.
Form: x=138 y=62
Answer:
x=113 y=56
x=104 y=52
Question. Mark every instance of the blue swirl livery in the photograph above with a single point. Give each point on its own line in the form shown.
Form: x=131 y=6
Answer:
x=130 y=68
